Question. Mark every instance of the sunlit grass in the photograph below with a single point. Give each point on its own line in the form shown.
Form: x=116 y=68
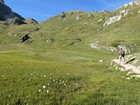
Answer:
x=63 y=76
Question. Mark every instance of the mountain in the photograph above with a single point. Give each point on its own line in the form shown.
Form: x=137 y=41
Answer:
x=107 y=30
x=11 y=17
x=2 y=1
x=8 y=15
x=96 y=29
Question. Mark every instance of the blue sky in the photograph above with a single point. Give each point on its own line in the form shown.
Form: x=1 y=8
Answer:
x=41 y=10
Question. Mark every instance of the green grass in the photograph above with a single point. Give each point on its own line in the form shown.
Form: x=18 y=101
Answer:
x=63 y=76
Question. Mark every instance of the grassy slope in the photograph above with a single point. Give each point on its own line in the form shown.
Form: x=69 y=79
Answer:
x=68 y=77
x=82 y=32
x=125 y=31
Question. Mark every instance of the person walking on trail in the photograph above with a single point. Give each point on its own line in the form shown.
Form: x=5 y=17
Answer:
x=121 y=55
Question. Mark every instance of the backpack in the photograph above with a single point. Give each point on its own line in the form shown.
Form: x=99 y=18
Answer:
x=122 y=52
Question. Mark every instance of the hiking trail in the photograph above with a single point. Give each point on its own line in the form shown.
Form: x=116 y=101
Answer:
x=128 y=67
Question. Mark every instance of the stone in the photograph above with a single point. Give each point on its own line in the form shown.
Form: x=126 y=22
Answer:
x=112 y=20
x=78 y=17
x=14 y=20
x=101 y=61
x=30 y=21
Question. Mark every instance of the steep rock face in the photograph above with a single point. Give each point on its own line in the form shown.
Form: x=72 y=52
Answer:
x=6 y=14
x=2 y=1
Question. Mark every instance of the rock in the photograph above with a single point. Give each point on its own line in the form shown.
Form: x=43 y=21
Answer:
x=78 y=17
x=125 y=14
x=50 y=41
x=95 y=45
x=89 y=15
x=122 y=11
x=100 y=20
x=101 y=61
x=139 y=12
x=122 y=69
x=136 y=2
x=106 y=12
x=135 y=76
x=62 y=16
x=112 y=20
x=128 y=78
x=14 y=20
x=2 y=1
x=131 y=3
x=24 y=38
x=30 y=21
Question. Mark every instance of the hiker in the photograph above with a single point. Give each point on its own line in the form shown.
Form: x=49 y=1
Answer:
x=121 y=55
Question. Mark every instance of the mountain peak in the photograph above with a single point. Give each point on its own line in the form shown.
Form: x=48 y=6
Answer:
x=2 y=1
x=10 y=17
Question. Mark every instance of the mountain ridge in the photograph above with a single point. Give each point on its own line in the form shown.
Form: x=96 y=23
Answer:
x=86 y=29
x=10 y=17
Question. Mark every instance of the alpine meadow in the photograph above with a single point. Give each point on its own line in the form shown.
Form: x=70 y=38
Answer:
x=69 y=58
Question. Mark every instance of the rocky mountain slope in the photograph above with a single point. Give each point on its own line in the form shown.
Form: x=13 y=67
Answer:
x=10 y=17
x=104 y=29
x=100 y=30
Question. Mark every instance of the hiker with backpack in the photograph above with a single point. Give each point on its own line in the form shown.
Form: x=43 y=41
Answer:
x=121 y=55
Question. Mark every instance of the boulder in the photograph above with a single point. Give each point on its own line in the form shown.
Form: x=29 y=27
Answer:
x=101 y=61
x=30 y=21
x=24 y=38
x=78 y=17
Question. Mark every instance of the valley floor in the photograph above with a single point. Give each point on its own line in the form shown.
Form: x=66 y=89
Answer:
x=63 y=76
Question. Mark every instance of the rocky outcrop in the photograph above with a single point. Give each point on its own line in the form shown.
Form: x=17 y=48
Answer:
x=30 y=21
x=136 y=2
x=112 y=20
x=15 y=20
x=123 y=12
x=6 y=14
x=98 y=46
x=11 y=18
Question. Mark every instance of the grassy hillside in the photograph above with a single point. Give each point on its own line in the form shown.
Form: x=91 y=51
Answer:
x=56 y=65
x=79 y=28
x=63 y=76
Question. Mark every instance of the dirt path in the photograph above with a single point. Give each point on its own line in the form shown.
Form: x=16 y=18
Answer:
x=130 y=67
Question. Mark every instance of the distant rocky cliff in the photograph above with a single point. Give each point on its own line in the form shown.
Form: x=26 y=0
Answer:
x=2 y=1
x=10 y=17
